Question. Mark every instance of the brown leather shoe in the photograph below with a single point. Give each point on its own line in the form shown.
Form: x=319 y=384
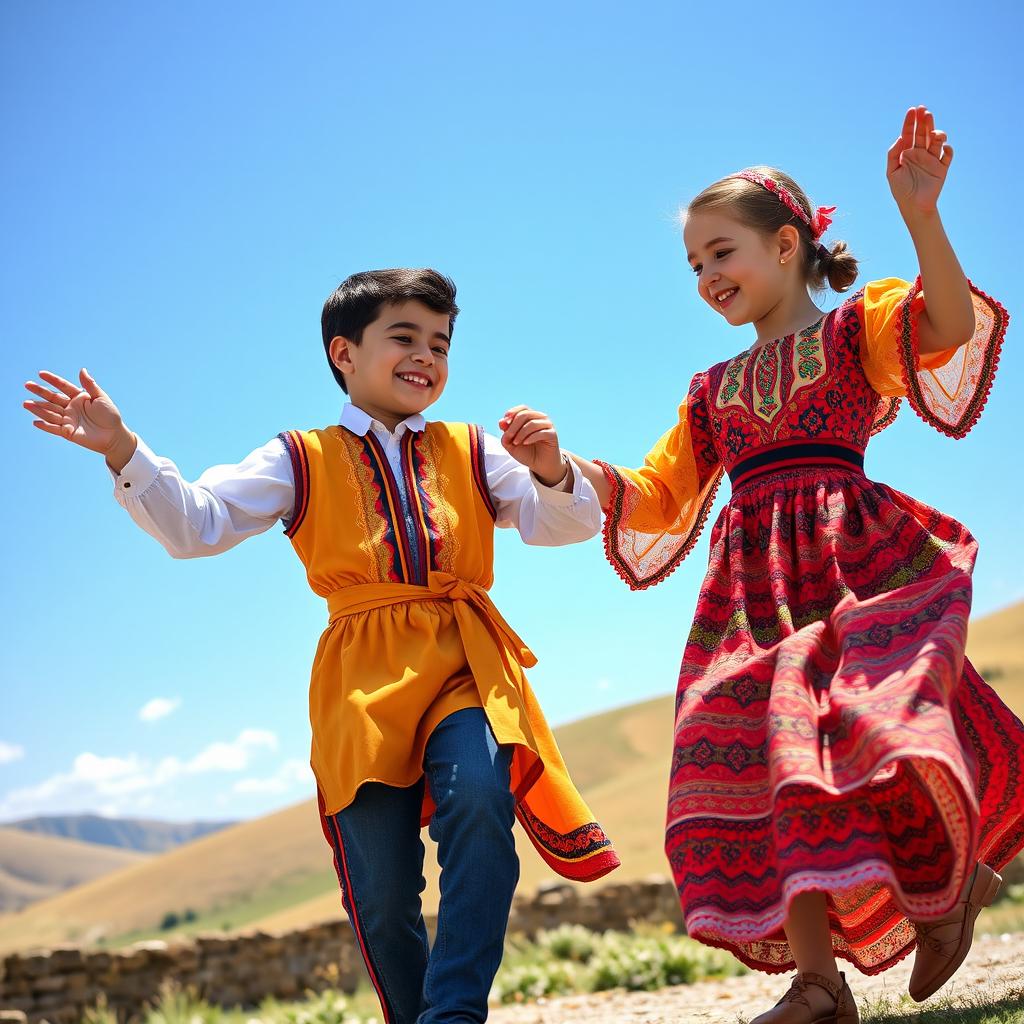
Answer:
x=943 y=944
x=795 y=1007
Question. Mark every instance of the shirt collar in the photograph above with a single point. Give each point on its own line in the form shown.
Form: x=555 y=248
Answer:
x=359 y=422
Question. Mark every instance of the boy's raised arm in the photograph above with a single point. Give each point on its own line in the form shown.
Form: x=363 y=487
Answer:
x=223 y=507
x=84 y=415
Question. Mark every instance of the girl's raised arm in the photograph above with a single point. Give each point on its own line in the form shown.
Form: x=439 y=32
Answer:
x=918 y=162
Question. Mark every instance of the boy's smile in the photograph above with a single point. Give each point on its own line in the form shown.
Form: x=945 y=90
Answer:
x=400 y=367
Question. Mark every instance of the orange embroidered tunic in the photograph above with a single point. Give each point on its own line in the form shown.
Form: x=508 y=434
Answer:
x=413 y=635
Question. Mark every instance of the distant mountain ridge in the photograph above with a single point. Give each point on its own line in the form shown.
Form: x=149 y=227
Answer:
x=140 y=834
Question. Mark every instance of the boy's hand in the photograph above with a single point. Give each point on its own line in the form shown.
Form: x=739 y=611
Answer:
x=530 y=438
x=917 y=164
x=85 y=417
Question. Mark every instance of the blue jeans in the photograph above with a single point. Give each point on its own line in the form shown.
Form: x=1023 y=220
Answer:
x=379 y=855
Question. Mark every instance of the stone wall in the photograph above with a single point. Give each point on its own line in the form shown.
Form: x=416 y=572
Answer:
x=228 y=970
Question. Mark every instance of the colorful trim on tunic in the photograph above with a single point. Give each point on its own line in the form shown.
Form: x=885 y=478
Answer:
x=427 y=535
x=389 y=506
x=293 y=445
x=581 y=855
x=476 y=446
x=437 y=515
x=414 y=533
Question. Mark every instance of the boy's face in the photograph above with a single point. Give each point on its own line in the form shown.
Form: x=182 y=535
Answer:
x=401 y=365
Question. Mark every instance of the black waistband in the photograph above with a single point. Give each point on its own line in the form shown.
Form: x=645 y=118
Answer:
x=806 y=453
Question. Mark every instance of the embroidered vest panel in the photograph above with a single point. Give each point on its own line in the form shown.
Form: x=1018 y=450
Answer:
x=350 y=524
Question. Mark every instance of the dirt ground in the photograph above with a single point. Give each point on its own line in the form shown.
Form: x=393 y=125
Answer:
x=995 y=965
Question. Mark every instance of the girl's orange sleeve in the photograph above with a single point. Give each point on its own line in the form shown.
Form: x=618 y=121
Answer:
x=656 y=512
x=946 y=389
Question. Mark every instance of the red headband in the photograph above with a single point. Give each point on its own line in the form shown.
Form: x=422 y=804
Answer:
x=818 y=224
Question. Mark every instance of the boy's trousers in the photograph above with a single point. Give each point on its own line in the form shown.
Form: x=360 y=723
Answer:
x=379 y=855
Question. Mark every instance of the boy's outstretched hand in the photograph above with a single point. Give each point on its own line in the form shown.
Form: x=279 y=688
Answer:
x=918 y=162
x=530 y=438
x=83 y=415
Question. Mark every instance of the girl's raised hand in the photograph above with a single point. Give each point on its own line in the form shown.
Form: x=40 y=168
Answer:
x=84 y=415
x=918 y=162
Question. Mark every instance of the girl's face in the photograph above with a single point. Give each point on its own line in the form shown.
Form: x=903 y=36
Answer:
x=738 y=270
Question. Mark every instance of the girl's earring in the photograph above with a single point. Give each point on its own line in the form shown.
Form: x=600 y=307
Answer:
x=781 y=261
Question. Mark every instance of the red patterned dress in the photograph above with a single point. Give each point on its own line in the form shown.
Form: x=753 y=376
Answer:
x=830 y=733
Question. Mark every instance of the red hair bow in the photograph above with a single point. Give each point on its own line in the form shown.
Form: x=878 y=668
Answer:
x=821 y=221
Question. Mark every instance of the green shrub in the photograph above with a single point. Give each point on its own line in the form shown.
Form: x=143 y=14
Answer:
x=533 y=981
x=572 y=959
x=1014 y=893
x=569 y=942
x=326 y=1008
x=177 y=1005
x=100 y=1013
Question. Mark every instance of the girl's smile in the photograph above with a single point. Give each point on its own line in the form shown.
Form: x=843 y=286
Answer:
x=748 y=277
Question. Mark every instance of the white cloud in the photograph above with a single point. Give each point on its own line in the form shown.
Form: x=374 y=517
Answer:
x=130 y=782
x=90 y=768
x=10 y=752
x=234 y=756
x=604 y=684
x=291 y=773
x=159 y=707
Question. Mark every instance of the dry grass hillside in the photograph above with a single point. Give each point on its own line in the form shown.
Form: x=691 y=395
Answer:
x=276 y=871
x=33 y=867
x=996 y=646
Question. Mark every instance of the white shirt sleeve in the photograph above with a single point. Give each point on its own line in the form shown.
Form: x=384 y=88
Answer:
x=543 y=515
x=223 y=507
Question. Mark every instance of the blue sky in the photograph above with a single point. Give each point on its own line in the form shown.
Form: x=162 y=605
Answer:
x=184 y=184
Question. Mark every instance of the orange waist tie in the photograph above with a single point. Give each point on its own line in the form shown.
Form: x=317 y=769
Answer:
x=480 y=624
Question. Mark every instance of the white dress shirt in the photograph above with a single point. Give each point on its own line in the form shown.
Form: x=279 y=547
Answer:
x=231 y=502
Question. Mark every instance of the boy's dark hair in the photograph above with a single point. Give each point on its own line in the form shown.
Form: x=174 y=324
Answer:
x=356 y=302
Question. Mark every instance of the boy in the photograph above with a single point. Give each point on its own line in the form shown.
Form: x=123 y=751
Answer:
x=419 y=707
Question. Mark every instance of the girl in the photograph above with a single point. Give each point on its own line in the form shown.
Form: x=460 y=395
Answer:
x=843 y=782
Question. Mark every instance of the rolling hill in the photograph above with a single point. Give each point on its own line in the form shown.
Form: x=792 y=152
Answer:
x=33 y=867
x=276 y=871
